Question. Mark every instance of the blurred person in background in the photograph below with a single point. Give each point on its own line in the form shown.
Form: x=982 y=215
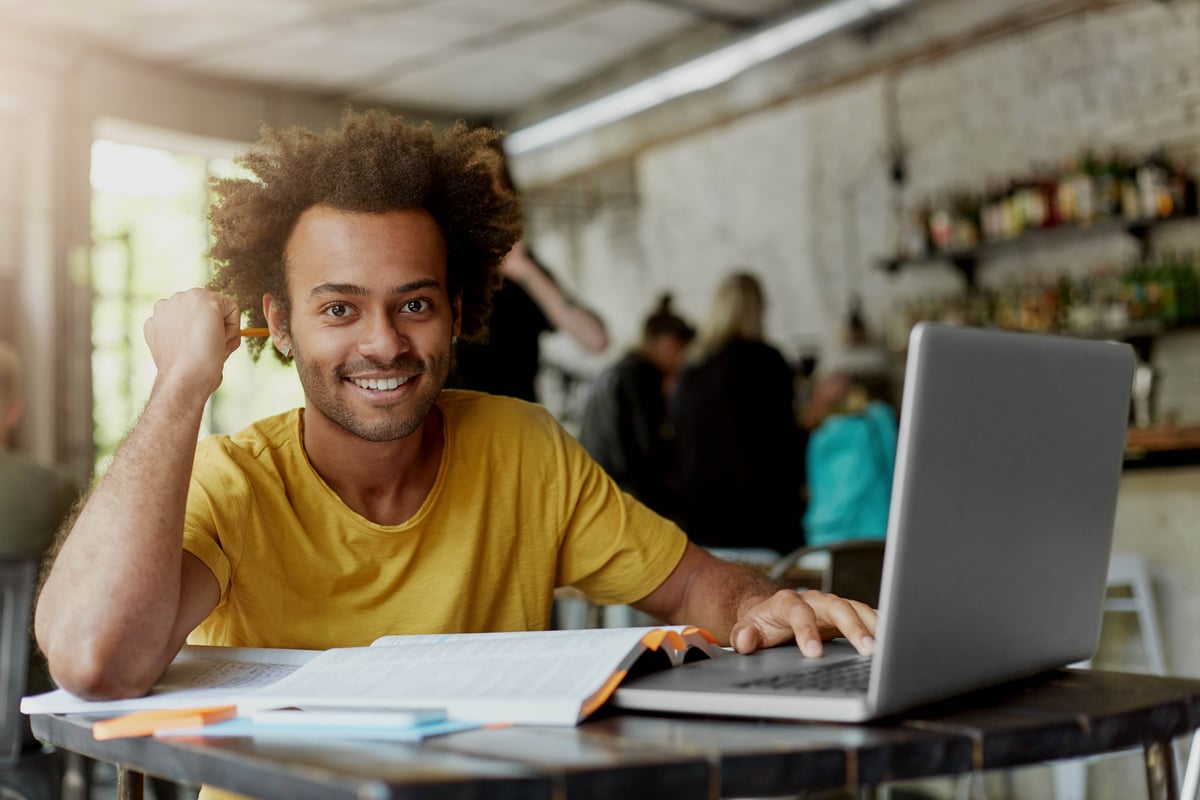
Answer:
x=738 y=450
x=850 y=456
x=34 y=500
x=528 y=303
x=624 y=424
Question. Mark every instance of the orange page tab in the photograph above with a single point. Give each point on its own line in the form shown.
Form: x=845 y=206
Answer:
x=145 y=723
x=654 y=639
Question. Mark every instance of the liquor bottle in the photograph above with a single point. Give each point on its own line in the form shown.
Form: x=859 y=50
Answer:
x=1136 y=288
x=1165 y=278
x=941 y=225
x=1064 y=300
x=965 y=221
x=1108 y=186
x=1187 y=290
x=991 y=212
x=1068 y=208
x=1182 y=189
x=1086 y=171
x=1154 y=191
x=1084 y=313
x=1131 y=208
x=1047 y=185
x=1114 y=311
x=1031 y=204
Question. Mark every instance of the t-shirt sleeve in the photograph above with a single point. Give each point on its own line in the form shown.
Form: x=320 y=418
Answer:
x=200 y=527
x=615 y=549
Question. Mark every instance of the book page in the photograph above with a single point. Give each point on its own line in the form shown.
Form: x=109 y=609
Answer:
x=199 y=676
x=595 y=636
x=536 y=677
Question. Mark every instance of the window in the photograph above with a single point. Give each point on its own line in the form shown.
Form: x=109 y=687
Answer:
x=150 y=240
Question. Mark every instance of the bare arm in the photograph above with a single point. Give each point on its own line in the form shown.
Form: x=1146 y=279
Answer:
x=122 y=596
x=583 y=325
x=743 y=607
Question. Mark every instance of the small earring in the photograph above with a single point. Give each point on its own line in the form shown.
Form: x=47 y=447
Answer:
x=287 y=351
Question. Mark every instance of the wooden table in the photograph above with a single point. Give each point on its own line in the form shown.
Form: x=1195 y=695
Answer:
x=1065 y=714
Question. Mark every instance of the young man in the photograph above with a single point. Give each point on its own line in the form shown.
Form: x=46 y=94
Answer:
x=385 y=505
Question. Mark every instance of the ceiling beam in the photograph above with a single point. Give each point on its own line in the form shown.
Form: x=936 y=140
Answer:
x=700 y=73
x=739 y=21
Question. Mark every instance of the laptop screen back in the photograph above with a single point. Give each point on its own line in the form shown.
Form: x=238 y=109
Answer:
x=1009 y=458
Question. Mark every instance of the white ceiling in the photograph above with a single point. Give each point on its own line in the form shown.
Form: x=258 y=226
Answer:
x=479 y=59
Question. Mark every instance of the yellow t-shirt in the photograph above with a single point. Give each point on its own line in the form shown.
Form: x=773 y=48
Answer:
x=517 y=509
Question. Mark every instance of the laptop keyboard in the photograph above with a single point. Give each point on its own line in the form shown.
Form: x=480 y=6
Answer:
x=850 y=676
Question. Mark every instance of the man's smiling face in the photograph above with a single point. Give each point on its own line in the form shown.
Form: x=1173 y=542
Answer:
x=371 y=324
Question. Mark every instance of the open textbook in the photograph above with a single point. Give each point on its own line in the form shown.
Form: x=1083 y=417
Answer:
x=539 y=677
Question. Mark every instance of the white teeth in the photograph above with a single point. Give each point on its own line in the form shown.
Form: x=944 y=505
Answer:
x=380 y=385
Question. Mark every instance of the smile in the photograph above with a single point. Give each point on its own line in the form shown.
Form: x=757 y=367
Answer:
x=379 y=384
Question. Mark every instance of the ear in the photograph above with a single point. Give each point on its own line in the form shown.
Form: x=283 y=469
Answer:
x=456 y=312
x=273 y=311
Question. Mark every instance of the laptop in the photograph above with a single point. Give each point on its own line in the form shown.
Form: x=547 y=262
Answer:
x=1000 y=527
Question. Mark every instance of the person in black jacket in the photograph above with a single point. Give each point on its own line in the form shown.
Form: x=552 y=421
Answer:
x=739 y=452
x=527 y=303
x=625 y=416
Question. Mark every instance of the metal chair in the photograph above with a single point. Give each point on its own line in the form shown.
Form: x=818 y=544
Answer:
x=27 y=770
x=852 y=569
x=1127 y=570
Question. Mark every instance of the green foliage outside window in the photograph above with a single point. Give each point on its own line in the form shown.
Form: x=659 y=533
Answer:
x=150 y=240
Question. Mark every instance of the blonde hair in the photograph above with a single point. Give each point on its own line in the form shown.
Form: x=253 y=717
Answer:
x=736 y=313
x=10 y=377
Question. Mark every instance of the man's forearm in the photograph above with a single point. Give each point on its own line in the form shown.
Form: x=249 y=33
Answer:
x=107 y=614
x=707 y=591
x=724 y=593
x=580 y=323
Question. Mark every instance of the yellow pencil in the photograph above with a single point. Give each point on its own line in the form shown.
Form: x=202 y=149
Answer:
x=256 y=331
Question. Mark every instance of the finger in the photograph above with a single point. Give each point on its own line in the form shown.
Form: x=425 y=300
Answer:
x=849 y=618
x=784 y=617
x=745 y=638
x=749 y=632
x=802 y=618
x=232 y=319
x=233 y=314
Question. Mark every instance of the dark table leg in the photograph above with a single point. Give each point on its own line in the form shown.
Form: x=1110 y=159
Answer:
x=130 y=785
x=1160 y=771
x=77 y=776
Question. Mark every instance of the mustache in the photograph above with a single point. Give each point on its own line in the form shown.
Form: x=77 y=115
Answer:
x=411 y=365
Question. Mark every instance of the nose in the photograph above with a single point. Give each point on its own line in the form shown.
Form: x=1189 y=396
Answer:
x=383 y=338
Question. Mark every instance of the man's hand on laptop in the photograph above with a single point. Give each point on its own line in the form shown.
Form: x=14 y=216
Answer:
x=808 y=618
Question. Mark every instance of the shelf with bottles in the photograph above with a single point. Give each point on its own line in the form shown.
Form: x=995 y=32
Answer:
x=1085 y=197
x=1162 y=446
x=1141 y=441
x=1136 y=303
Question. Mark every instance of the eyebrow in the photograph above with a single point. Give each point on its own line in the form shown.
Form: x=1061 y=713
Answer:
x=359 y=291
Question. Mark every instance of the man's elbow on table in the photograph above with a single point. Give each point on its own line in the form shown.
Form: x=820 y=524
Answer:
x=96 y=668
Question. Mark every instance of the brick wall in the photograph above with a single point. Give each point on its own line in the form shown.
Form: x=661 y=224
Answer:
x=799 y=189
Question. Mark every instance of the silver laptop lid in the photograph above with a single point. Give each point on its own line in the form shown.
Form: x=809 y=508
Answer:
x=1007 y=469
